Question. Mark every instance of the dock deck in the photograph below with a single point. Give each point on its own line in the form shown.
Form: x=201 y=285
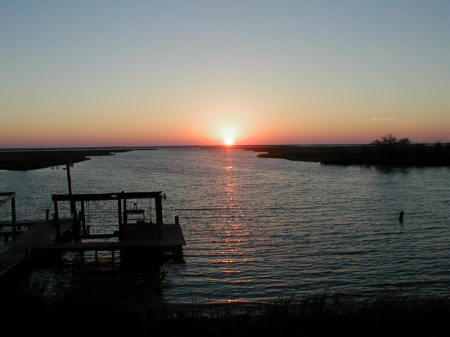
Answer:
x=170 y=238
x=42 y=238
x=15 y=254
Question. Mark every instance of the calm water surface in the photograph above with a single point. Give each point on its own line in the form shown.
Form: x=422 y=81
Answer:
x=259 y=229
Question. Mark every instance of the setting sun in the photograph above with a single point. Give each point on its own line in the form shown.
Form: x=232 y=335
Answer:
x=228 y=135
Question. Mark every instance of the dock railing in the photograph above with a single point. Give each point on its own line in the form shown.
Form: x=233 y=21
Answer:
x=122 y=210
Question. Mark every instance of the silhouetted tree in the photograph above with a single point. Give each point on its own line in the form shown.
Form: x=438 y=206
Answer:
x=404 y=142
x=390 y=141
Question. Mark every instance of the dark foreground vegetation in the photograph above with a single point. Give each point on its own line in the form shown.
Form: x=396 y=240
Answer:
x=89 y=312
x=387 y=151
x=36 y=159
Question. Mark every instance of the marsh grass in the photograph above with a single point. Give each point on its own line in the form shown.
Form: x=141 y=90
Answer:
x=397 y=155
x=84 y=309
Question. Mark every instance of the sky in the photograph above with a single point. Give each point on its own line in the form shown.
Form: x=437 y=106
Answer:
x=138 y=73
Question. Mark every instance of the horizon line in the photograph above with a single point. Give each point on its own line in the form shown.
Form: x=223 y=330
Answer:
x=172 y=146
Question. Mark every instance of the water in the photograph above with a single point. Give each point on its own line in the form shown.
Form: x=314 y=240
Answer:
x=259 y=229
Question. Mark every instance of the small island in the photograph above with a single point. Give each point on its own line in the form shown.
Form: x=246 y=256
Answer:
x=386 y=151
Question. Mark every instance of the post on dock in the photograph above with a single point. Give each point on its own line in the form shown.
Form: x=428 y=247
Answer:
x=13 y=218
x=159 y=216
x=56 y=218
x=158 y=209
x=124 y=220
x=69 y=183
x=119 y=210
x=77 y=225
x=83 y=218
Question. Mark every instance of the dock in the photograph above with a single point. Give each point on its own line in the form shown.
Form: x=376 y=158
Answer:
x=17 y=254
x=171 y=239
x=135 y=235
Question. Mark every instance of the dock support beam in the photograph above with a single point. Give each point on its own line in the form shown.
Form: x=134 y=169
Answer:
x=77 y=225
x=83 y=218
x=56 y=219
x=119 y=211
x=69 y=183
x=13 y=218
x=124 y=221
x=158 y=209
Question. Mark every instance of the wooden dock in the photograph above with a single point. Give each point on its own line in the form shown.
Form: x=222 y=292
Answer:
x=170 y=239
x=42 y=239
x=134 y=237
x=15 y=255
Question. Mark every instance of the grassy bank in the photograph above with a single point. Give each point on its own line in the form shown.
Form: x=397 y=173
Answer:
x=123 y=301
x=36 y=159
x=78 y=312
x=401 y=156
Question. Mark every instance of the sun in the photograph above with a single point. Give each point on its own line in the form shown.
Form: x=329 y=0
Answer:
x=228 y=134
x=228 y=141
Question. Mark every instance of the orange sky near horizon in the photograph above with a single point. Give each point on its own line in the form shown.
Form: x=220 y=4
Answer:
x=143 y=132
x=248 y=122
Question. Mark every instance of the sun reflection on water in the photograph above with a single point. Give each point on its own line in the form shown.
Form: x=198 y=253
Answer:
x=233 y=232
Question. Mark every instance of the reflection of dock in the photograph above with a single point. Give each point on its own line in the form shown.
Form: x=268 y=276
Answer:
x=138 y=236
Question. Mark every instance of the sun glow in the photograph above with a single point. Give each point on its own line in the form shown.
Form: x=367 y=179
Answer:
x=228 y=141
x=228 y=135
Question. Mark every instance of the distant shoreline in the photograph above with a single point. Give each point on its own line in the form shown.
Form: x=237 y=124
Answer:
x=414 y=155
x=418 y=155
x=32 y=159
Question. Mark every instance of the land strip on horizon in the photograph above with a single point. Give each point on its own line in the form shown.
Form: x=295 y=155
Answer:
x=30 y=159
x=419 y=155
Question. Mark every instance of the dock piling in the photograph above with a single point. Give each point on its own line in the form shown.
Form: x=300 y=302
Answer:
x=56 y=219
x=13 y=218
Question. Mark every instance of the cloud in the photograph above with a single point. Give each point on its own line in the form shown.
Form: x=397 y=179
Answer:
x=382 y=119
x=392 y=119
